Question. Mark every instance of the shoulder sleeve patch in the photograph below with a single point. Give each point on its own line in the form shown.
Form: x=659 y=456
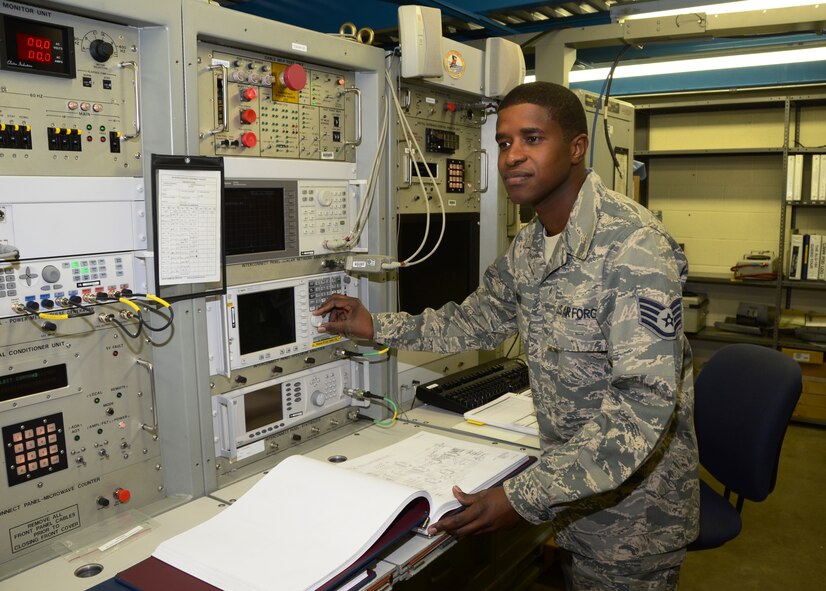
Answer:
x=663 y=320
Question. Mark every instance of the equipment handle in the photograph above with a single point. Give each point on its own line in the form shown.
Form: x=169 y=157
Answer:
x=136 y=83
x=357 y=141
x=484 y=167
x=153 y=429
x=223 y=127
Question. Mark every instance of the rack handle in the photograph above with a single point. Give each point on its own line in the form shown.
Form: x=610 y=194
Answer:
x=224 y=126
x=153 y=428
x=136 y=83
x=357 y=92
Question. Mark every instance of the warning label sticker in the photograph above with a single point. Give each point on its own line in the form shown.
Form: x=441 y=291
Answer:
x=44 y=528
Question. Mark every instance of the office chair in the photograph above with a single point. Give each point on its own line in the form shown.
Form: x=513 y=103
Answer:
x=744 y=397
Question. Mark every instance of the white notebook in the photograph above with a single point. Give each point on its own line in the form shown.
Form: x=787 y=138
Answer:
x=306 y=521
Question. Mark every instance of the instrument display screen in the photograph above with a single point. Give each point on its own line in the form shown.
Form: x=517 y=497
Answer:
x=33 y=381
x=35 y=47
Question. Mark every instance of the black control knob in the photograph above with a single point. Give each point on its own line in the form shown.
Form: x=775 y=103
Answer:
x=102 y=502
x=47 y=303
x=101 y=50
x=76 y=299
x=240 y=380
x=32 y=306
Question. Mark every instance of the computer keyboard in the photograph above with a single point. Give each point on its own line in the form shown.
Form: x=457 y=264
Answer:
x=473 y=387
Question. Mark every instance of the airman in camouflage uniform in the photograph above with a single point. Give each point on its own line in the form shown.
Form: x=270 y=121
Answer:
x=599 y=311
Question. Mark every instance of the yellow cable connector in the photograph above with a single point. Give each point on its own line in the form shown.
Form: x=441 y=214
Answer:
x=155 y=298
x=131 y=304
x=47 y=316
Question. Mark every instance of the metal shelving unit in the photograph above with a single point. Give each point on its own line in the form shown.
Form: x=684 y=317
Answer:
x=792 y=103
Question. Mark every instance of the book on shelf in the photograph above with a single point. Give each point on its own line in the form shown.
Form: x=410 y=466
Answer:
x=822 y=272
x=790 y=178
x=815 y=256
x=814 y=192
x=797 y=192
x=513 y=411
x=310 y=524
x=795 y=256
x=821 y=192
x=804 y=257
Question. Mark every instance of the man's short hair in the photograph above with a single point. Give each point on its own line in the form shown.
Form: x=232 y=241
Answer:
x=563 y=106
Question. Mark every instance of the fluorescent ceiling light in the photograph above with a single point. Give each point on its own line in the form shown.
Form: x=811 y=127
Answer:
x=722 y=8
x=707 y=64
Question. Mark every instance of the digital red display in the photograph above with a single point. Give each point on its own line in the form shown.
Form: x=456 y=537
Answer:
x=34 y=49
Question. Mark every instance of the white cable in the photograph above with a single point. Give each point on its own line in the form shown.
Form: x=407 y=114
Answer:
x=353 y=237
x=9 y=252
x=409 y=135
x=407 y=132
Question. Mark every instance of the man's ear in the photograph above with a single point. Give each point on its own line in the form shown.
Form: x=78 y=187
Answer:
x=579 y=147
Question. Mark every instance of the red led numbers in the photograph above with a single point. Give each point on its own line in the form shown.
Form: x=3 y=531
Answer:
x=34 y=49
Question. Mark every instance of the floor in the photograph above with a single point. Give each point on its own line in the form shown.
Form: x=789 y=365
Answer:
x=783 y=543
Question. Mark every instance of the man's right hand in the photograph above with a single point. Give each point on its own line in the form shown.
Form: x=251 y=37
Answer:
x=347 y=317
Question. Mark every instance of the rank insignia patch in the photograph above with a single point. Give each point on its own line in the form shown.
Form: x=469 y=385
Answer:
x=662 y=320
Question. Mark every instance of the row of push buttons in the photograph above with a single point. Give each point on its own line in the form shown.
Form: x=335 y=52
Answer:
x=266 y=430
x=93 y=269
x=8 y=286
x=293 y=394
x=73 y=105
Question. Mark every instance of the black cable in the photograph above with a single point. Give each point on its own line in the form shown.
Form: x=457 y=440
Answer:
x=513 y=344
x=165 y=326
x=607 y=95
x=121 y=326
x=157 y=311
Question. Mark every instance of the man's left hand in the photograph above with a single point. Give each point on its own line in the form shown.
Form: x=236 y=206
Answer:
x=485 y=511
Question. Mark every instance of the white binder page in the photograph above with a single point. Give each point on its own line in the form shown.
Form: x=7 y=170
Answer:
x=189 y=226
x=436 y=463
x=298 y=527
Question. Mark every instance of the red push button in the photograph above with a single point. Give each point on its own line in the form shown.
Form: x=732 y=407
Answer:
x=249 y=140
x=293 y=77
x=248 y=116
x=122 y=495
x=250 y=94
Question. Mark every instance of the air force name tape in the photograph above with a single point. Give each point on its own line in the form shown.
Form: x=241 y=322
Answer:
x=663 y=320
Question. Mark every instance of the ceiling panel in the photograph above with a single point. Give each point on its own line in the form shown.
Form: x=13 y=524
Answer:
x=462 y=19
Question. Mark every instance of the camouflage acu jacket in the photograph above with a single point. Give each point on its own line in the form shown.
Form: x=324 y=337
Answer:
x=610 y=373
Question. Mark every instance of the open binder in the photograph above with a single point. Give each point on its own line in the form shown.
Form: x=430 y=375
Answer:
x=350 y=515
x=156 y=575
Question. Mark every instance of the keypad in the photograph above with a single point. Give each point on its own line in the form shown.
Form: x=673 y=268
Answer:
x=34 y=448
x=321 y=289
x=455 y=176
